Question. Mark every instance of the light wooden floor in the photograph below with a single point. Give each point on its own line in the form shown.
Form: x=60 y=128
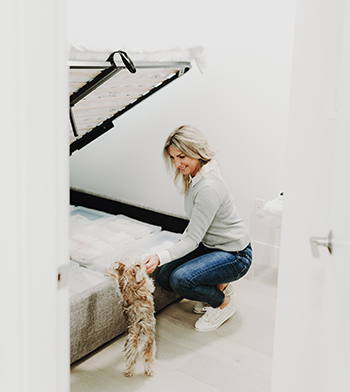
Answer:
x=236 y=357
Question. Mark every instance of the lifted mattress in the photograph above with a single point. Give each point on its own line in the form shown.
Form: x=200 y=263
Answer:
x=104 y=85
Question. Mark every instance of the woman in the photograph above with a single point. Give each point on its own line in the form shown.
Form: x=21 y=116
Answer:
x=215 y=248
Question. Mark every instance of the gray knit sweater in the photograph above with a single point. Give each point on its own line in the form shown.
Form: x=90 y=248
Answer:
x=213 y=217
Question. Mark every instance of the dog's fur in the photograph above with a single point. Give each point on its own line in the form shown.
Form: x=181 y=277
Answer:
x=136 y=288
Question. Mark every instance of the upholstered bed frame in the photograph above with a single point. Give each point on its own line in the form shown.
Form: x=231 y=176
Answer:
x=96 y=316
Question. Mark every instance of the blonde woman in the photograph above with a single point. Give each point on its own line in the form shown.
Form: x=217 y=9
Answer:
x=215 y=248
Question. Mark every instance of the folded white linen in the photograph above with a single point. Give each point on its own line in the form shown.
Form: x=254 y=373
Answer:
x=195 y=53
x=274 y=207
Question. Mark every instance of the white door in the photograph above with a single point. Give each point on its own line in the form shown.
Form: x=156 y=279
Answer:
x=34 y=339
x=335 y=370
x=312 y=336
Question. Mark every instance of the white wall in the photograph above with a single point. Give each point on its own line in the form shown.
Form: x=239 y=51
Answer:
x=240 y=102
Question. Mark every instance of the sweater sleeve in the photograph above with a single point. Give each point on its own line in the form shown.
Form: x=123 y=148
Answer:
x=206 y=204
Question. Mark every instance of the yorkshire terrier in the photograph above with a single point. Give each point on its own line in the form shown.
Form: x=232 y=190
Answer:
x=136 y=288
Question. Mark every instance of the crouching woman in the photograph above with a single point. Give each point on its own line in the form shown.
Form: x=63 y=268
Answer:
x=215 y=249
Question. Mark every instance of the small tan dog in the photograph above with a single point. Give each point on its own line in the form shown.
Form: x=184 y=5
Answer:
x=136 y=288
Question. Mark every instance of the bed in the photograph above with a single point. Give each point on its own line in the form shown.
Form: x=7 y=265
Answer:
x=103 y=85
x=96 y=239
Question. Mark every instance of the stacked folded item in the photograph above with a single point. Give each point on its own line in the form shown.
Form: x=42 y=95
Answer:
x=193 y=53
x=150 y=244
x=97 y=239
x=94 y=234
x=159 y=241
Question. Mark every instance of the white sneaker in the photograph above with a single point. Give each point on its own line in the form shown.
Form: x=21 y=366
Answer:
x=202 y=307
x=228 y=290
x=215 y=317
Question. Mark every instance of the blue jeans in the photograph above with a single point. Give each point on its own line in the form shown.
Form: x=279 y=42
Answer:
x=196 y=275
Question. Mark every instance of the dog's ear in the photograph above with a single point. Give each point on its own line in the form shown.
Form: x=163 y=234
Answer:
x=139 y=273
x=120 y=267
x=115 y=269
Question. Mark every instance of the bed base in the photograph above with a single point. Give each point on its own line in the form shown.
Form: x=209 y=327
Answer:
x=97 y=80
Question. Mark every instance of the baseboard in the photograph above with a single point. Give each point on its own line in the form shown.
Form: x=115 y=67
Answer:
x=167 y=222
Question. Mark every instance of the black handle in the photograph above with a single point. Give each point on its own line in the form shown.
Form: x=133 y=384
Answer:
x=125 y=59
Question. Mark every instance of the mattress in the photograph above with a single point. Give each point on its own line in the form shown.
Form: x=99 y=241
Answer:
x=103 y=85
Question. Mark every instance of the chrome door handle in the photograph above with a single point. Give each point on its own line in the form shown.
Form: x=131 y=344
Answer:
x=321 y=241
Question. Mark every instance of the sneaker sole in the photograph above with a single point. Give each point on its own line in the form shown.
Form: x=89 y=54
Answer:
x=198 y=312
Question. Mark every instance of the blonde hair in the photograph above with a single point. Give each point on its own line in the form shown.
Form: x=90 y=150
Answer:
x=192 y=143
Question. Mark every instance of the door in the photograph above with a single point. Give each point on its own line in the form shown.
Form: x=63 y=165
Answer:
x=34 y=339
x=312 y=343
x=335 y=370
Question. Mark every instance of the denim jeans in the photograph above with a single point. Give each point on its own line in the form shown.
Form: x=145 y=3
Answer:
x=196 y=275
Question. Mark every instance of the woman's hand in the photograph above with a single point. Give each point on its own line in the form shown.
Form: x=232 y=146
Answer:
x=151 y=262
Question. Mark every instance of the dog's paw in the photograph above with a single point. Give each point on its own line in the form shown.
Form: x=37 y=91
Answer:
x=149 y=372
x=128 y=373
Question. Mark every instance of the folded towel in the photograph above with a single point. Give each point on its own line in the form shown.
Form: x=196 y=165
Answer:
x=192 y=53
x=274 y=207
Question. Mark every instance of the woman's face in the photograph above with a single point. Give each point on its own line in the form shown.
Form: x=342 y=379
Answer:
x=187 y=165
